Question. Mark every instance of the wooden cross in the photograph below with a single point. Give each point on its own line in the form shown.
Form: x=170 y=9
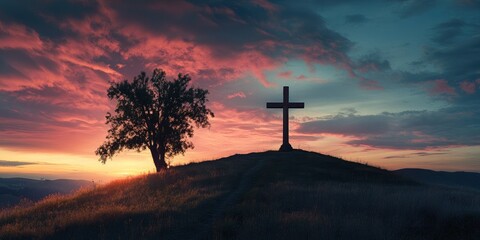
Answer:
x=286 y=147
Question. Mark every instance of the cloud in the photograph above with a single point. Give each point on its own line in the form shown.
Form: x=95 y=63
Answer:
x=468 y=87
x=220 y=35
x=217 y=42
x=458 y=62
x=454 y=126
x=44 y=17
x=452 y=57
x=5 y=163
x=50 y=120
x=410 y=8
x=441 y=87
x=447 y=32
x=55 y=74
x=237 y=95
x=16 y=36
x=372 y=63
x=469 y=3
x=286 y=74
x=416 y=154
x=349 y=125
x=456 y=52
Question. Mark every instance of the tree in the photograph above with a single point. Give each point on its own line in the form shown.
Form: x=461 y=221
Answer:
x=156 y=114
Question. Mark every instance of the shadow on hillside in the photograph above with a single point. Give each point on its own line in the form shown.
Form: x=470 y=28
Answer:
x=296 y=195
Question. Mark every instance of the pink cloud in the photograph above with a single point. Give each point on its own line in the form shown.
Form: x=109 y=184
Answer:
x=93 y=66
x=56 y=64
x=441 y=87
x=174 y=55
x=237 y=95
x=77 y=140
x=180 y=48
x=242 y=131
x=19 y=36
x=468 y=87
x=67 y=86
x=239 y=131
x=301 y=77
x=286 y=74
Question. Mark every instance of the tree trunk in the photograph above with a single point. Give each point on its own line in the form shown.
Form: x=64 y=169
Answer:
x=158 y=159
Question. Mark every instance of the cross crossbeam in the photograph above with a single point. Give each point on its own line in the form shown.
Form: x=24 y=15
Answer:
x=285 y=105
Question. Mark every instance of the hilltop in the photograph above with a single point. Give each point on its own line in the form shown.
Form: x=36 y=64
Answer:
x=268 y=195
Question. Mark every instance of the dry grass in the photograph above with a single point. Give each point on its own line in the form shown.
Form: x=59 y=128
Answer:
x=298 y=195
x=326 y=200
x=142 y=207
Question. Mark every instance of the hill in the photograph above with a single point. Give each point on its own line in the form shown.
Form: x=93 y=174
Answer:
x=470 y=180
x=14 y=190
x=269 y=195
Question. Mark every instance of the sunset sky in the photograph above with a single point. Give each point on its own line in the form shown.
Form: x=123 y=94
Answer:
x=392 y=83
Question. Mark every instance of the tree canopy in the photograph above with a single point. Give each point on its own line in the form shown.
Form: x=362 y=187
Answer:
x=154 y=113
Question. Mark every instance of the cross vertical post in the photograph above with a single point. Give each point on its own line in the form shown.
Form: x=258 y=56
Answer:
x=285 y=105
x=285 y=142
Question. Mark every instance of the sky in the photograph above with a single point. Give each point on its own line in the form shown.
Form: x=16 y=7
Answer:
x=394 y=83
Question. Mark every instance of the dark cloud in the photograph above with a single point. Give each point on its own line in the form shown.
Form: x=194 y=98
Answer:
x=228 y=24
x=60 y=82
x=274 y=31
x=408 y=8
x=454 y=53
x=351 y=124
x=26 y=60
x=469 y=4
x=232 y=26
x=445 y=33
x=356 y=19
x=454 y=126
x=4 y=163
x=458 y=62
x=416 y=154
x=90 y=41
x=372 y=63
x=6 y=70
x=46 y=17
x=269 y=33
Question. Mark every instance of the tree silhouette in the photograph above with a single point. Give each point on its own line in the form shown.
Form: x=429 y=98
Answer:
x=156 y=114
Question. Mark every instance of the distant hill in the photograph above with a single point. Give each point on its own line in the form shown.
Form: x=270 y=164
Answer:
x=13 y=190
x=452 y=179
x=267 y=195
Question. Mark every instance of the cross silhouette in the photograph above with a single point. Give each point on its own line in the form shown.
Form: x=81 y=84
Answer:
x=286 y=147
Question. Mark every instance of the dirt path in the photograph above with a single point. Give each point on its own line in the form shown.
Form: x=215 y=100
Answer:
x=230 y=199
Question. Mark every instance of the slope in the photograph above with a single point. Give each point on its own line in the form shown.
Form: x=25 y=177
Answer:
x=269 y=195
x=469 y=180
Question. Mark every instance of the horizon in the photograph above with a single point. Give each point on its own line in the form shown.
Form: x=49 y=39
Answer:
x=105 y=179
x=392 y=84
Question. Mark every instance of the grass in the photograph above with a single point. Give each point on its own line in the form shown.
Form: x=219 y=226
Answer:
x=321 y=198
x=297 y=195
x=167 y=204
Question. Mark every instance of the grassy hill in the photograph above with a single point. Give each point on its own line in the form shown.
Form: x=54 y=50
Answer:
x=269 y=195
x=469 y=180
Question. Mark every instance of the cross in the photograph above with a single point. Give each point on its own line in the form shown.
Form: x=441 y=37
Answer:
x=286 y=147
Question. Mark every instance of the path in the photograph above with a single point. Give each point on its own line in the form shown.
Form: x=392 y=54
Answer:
x=230 y=200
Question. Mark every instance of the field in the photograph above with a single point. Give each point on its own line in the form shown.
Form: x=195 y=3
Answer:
x=269 y=195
